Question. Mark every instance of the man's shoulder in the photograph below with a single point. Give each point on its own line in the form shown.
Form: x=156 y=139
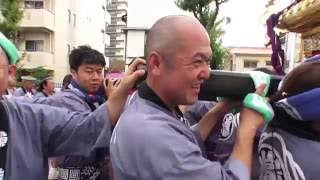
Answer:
x=39 y=94
x=147 y=122
x=19 y=91
x=12 y=104
x=69 y=100
x=67 y=95
x=142 y=112
x=16 y=105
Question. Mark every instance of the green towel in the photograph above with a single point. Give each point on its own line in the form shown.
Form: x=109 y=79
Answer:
x=10 y=49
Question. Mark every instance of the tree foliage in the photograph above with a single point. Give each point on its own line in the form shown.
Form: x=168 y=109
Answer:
x=11 y=16
x=39 y=72
x=206 y=11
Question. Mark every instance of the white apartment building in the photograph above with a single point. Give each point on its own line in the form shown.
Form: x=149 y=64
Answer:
x=118 y=11
x=139 y=21
x=50 y=29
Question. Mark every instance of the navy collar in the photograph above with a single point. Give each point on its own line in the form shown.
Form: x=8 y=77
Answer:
x=93 y=100
x=25 y=90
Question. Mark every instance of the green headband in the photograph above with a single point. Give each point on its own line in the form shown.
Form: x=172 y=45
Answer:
x=9 y=48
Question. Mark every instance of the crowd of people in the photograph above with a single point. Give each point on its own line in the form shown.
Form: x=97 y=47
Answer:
x=105 y=128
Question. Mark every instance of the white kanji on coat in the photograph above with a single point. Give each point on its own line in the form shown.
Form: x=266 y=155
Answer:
x=3 y=139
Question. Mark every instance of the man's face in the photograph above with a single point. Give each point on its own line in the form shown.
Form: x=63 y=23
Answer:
x=3 y=74
x=28 y=85
x=89 y=77
x=11 y=82
x=182 y=79
x=50 y=86
x=7 y=71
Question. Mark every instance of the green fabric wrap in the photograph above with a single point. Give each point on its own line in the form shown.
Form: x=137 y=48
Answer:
x=261 y=78
x=9 y=48
x=260 y=104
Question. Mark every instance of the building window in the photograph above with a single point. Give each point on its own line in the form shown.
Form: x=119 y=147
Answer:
x=69 y=48
x=69 y=16
x=35 y=45
x=33 y=4
x=268 y=63
x=74 y=20
x=103 y=36
x=250 y=64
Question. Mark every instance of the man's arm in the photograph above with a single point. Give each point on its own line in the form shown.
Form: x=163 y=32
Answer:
x=250 y=122
x=18 y=92
x=195 y=112
x=210 y=119
x=118 y=97
x=56 y=131
x=62 y=100
x=243 y=148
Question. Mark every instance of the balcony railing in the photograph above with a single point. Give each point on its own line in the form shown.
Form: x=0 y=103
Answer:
x=36 y=59
x=38 y=18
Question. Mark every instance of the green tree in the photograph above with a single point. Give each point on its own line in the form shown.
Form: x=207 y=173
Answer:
x=11 y=16
x=206 y=11
x=39 y=73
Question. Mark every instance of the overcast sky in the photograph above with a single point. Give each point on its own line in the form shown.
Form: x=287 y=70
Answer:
x=245 y=30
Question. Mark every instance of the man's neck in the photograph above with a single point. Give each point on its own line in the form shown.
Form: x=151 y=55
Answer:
x=161 y=95
x=78 y=86
x=48 y=93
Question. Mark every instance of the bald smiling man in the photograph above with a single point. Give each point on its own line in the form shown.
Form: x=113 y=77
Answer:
x=152 y=139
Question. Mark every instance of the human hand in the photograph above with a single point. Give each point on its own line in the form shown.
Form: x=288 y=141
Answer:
x=132 y=75
x=110 y=86
x=251 y=119
x=226 y=106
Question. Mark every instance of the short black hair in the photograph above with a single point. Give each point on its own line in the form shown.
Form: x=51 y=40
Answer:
x=85 y=55
x=66 y=81
x=43 y=82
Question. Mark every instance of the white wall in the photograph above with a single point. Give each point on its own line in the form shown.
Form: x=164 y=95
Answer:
x=260 y=59
x=91 y=22
x=150 y=11
x=135 y=44
x=64 y=35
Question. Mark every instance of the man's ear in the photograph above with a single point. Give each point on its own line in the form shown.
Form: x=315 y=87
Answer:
x=12 y=70
x=154 y=64
x=73 y=73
